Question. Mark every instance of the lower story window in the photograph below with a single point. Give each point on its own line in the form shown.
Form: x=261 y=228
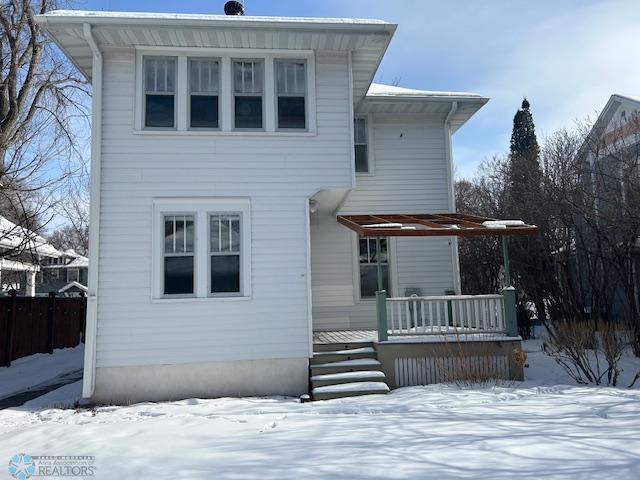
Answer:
x=225 y=254
x=178 y=259
x=369 y=266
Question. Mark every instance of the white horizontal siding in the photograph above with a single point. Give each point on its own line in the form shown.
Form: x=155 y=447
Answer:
x=410 y=176
x=278 y=173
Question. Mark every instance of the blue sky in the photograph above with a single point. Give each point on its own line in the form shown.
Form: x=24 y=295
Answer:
x=567 y=57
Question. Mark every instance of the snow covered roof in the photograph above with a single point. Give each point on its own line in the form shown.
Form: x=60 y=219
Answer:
x=393 y=100
x=366 y=39
x=69 y=285
x=186 y=18
x=381 y=90
x=15 y=236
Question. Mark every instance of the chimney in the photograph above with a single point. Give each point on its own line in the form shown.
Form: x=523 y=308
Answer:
x=233 y=7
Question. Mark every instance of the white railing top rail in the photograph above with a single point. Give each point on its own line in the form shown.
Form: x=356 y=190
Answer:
x=445 y=297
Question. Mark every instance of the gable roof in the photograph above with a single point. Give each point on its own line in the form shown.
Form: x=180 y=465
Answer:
x=14 y=236
x=605 y=118
x=367 y=40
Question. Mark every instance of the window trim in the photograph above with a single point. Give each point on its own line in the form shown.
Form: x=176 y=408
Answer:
x=164 y=255
x=190 y=94
x=221 y=254
x=200 y=208
x=370 y=147
x=276 y=95
x=143 y=93
x=263 y=95
x=393 y=271
x=225 y=119
x=77 y=270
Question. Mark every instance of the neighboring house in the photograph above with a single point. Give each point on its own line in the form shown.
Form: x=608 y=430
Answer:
x=223 y=150
x=21 y=254
x=65 y=275
x=610 y=153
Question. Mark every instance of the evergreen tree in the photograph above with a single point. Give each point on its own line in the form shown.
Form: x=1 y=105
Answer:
x=530 y=262
x=524 y=175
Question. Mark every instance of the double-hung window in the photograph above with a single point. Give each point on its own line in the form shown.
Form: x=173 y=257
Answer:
x=361 y=143
x=248 y=94
x=369 y=266
x=225 y=254
x=204 y=89
x=160 y=92
x=73 y=274
x=179 y=252
x=291 y=89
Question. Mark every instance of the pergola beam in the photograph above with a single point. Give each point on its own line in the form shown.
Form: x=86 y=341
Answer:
x=430 y=225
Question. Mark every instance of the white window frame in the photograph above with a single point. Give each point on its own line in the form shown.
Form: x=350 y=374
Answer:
x=370 y=149
x=225 y=100
x=211 y=254
x=278 y=95
x=393 y=270
x=163 y=254
x=201 y=208
x=190 y=93
x=77 y=270
x=261 y=95
x=175 y=93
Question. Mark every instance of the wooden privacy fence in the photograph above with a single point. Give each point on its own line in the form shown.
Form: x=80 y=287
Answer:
x=31 y=325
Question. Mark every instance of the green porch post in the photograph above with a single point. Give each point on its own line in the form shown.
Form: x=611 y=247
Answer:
x=510 y=315
x=509 y=293
x=505 y=259
x=381 y=298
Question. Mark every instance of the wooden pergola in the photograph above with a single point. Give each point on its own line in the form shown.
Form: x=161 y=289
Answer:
x=433 y=225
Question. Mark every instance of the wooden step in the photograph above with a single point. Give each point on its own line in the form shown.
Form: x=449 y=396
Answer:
x=330 y=347
x=358 y=364
x=338 y=355
x=349 y=390
x=347 y=377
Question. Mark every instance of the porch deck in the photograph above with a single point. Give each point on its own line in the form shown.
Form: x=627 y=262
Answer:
x=345 y=336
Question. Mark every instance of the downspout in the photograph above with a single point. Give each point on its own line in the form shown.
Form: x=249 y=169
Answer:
x=455 y=260
x=88 y=384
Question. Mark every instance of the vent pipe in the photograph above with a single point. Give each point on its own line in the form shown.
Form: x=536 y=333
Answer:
x=233 y=7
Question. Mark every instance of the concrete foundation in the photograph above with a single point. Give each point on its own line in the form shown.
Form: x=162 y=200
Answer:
x=125 y=385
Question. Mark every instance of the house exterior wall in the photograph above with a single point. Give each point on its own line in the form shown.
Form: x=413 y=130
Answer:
x=277 y=172
x=410 y=175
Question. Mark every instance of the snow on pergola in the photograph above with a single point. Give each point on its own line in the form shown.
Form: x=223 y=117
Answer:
x=433 y=225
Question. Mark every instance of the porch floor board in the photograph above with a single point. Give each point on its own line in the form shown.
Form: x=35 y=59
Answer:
x=345 y=336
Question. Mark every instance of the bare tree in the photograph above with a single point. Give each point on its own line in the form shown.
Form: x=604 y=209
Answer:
x=42 y=107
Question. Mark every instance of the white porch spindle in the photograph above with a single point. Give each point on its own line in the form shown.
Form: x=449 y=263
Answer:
x=446 y=314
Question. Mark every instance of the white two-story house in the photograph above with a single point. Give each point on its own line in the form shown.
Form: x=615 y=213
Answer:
x=223 y=149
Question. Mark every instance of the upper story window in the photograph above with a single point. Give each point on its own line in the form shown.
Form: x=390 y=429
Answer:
x=361 y=144
x=159 y=92
x=248 y=93
x=204 y=90
x=291 y=88
x=225 y=91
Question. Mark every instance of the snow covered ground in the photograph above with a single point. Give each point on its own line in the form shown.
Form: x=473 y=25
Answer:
x=35 y=369
x=526 y=430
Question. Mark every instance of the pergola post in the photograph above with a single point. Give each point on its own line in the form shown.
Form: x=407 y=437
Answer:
x=509 y=293
x=381 y=298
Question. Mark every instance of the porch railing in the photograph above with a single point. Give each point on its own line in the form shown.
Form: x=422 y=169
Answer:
x=446 y=314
